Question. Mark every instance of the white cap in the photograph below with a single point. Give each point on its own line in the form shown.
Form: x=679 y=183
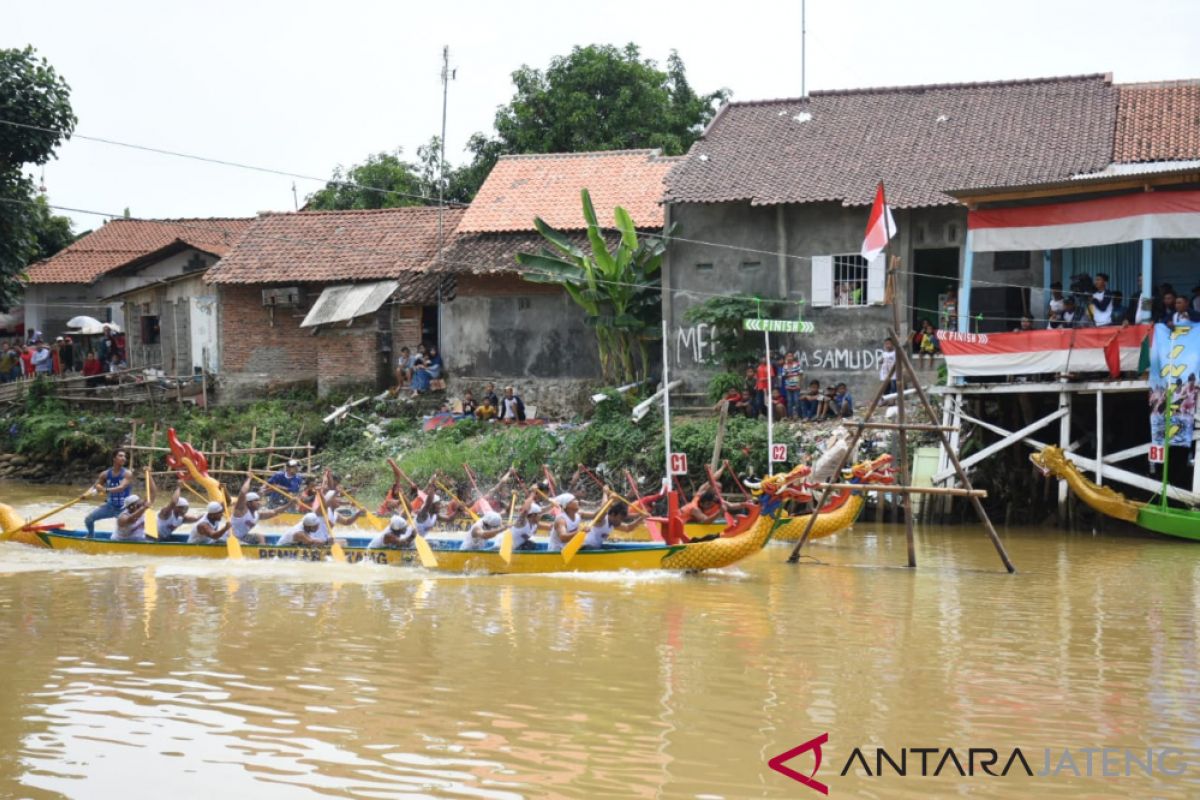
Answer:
x=181 y=503
x=293 y=462
x=433 y=498
x=252 y=496
x=311 y=520
x=398 y=523
x=330 y=495
x=133 y=499
x=492 y=520
x=215 y=508
x=565 y=499
x=534 y=508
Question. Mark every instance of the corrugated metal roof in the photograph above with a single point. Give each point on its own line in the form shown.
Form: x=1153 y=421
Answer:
x=348 y=301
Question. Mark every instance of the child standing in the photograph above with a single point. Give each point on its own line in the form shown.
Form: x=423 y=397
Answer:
x=886 y=364
x=793 y=382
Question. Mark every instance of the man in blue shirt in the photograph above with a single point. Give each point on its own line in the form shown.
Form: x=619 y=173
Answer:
x=288 y=479
x=115 y=483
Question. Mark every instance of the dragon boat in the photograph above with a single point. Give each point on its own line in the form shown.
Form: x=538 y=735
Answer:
x=1178 y=522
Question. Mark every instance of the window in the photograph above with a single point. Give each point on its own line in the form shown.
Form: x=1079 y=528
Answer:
x=749 y=266
x=1011 y=260
x=704 y=267
x=150 y=332
x=849 y=280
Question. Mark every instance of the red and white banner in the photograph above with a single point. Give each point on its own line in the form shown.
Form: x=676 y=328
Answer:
x=1087 y=223
x=976 y=355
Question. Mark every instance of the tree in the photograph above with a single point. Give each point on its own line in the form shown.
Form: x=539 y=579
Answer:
x=51 y=231
x=37 y=100
x=392 y=183
x=599 y=97
x=619 y=290
x=734 y=346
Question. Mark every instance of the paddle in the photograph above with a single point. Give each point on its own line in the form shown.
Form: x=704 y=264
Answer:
x=424 y=551
x=233 y=547
x=151 y=515
x=572 y=547
x=715 y=485
x=506 y=538
x=377 y=522
x=273 y=488
x=10 y=533
x=454 y=497
x=604 y=485
x=335 y=549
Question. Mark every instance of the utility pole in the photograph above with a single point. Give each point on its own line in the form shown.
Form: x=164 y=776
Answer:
x=295 y=197
x=803 y=54
x=447 y=76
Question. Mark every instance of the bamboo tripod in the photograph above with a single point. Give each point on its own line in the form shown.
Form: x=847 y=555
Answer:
x=902 y=370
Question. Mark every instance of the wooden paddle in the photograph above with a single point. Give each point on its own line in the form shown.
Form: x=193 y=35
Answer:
x=151 y=514
x=454 y=497
x=424 y=551
x=377 y=522
x=6 y=535
x=233 y=546
x=335 y=549
x=572 y=547
x=506 y=538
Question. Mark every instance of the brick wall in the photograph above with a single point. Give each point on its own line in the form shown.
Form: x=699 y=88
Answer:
x=348 y=356
x=502 y=285
x=256 y=354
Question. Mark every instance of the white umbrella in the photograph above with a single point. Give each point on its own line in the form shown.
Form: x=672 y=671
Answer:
x=90 y=326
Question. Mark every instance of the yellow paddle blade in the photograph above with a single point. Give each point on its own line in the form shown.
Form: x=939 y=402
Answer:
x=506 y=546
x=336 y=552
x=151 y=515
x=425 y=553
x=233 y=548
x=572 y=547
x=377 y=522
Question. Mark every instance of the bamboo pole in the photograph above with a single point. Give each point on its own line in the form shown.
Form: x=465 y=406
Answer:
x=906 y=498
x=132 y=444
x=912 y=426
x=889 y=488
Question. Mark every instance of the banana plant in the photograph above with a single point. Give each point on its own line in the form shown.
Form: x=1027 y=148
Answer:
x=617 y=285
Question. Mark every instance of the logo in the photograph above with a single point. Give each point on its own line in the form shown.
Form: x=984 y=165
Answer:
x=779 y=763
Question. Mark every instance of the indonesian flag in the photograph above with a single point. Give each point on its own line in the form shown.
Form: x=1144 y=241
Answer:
x=880 y=227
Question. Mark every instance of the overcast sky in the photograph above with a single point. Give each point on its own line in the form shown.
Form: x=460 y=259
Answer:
x=304 y=86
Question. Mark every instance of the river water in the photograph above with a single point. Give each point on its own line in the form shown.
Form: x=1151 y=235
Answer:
x=136 y=677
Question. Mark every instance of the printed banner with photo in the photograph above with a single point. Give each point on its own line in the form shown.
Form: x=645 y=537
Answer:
x=1174 y=365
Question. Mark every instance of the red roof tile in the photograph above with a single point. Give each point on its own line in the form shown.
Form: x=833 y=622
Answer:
x=121 y=241
x=835 y=146
x=326 y=246
x=520 y=188
x=1158 y=121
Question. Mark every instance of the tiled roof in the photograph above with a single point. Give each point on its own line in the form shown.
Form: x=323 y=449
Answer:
x=520 y=188
x=1158 y=121
x=329 y=246
x=121 y=241
x=835 y=146
x=483 y=253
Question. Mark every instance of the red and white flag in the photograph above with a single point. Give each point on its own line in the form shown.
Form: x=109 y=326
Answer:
x=880 y=227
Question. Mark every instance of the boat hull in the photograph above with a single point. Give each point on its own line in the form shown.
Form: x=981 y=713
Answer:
x=1177 y=522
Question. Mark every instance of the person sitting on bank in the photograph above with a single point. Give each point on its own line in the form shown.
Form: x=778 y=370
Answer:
x=290 y=480
x=173 y=515
x=810 y=401
x=131 y=522
x=486 y=410
x=248 y=512
x=394 y=536
x=307 y=533
x=468 y=404
x=841 y=404
x=404 y=368
x=617 y=519
x=512 y=408
x=482 y=531
x=210 y=529
x=114 y=481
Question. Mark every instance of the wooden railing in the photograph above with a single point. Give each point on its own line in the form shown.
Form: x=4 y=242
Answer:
x=125 y=387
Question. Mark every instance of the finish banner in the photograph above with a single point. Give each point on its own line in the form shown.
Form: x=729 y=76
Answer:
x=1052 y=352
x=1174 y=365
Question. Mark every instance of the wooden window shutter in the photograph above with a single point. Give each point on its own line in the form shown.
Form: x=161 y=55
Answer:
x=822 y=281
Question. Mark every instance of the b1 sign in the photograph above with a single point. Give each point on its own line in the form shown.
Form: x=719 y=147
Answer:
x=779 y=452
x=679 y=464
x=1156 y=453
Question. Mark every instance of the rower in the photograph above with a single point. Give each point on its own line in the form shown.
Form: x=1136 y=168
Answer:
x=331 y=518
x=289 y=479
x=394 y=535
x=307 y=533
x=481 y=533
x=617 y=519
x=526 y=525
x=115 y=482
x=210 y=530
x=428 y=517
x=703 y=508
x=131 y=522
x=248 y=512
x=566 y=522
x=174 y=514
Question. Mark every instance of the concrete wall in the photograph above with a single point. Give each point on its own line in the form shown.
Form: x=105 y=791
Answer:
x=48 y=306
x=172 y=305
x=781 y=240
x=500 y=328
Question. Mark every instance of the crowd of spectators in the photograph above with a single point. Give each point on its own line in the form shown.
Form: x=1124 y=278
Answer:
x=35 y=356
x=781 y=383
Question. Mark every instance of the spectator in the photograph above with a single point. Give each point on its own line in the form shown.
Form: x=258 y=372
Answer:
x=1183 y=312
x=1025 y=326
x=486 y=410
x=780 y=404
x=489 y=394
x=26 y=356
x=1071 y=317
x=512 y=408
x=929 y=342
x=1196 y=299
x=749 y=383
x=841 y=404
x=56 y=351
x=1100 y=304
x=949 y=311
x=810 y=401
x=793 y=385
x=9 y=362
x=42 y=360
x=887 y=365
x=1118 y=308
x=763 y=378
x=404 y=365
x=1057 y=300
x=93 y=369
x=468 y=404
x=738 y=402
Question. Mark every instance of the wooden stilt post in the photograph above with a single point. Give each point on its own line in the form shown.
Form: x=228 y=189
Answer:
x=1064 y=441
x=132 y=445
x=906 y=498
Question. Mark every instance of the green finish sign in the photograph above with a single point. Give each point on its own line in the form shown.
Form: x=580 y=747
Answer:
x=778 y=325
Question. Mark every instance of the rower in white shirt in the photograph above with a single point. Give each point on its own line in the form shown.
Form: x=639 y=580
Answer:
x=525 y=527
x=308 y=532
x=480 y=534
x=173 y=515
x=394 y=535
x=210 y=530
x=566 y=522
x=248 y=512
x=131 y=522
x=617 y=519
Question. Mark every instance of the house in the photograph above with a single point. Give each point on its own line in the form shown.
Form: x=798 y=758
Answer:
x=773 y=199
x=328 y=297
x=168 y=325
x=502 y=328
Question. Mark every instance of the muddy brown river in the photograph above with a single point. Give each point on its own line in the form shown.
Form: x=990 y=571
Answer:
x=130 y=677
